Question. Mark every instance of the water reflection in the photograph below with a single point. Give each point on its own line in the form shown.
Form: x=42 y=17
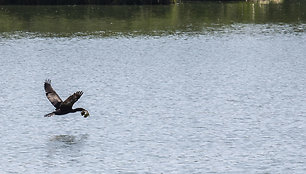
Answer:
x=267 y=1
x=64 y=149
x=149 y=20
x=69 y=139
x=65 y=143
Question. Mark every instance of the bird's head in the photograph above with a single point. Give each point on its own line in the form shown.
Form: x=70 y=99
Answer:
x=85 y=113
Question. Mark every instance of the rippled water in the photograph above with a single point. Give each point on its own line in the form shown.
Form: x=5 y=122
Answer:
x=229 y=99
x=224 y=104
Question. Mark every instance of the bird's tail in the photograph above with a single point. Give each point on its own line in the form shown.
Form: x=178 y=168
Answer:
x=50 y=114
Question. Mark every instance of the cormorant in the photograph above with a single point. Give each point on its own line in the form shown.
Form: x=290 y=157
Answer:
x=61 y=107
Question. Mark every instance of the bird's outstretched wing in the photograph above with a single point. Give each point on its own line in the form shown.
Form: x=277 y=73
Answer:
x=52 y=95
x=72 y=99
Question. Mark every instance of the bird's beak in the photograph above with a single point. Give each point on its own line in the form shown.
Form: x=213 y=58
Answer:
x=85 y=113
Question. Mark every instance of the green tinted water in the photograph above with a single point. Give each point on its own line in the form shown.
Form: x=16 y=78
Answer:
x=148 y=20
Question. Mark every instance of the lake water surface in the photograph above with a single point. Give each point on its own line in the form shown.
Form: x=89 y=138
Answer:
x=189 y=88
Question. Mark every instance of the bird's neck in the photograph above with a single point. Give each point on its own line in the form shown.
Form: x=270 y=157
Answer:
x=77 y=109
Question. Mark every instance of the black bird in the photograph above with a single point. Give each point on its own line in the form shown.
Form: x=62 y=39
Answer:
x=61 y=107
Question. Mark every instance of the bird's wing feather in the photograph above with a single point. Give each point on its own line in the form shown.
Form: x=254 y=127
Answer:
x=52 y=95
x=72 y=99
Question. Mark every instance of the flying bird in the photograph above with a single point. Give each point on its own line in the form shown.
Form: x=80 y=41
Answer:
x=63 y=107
